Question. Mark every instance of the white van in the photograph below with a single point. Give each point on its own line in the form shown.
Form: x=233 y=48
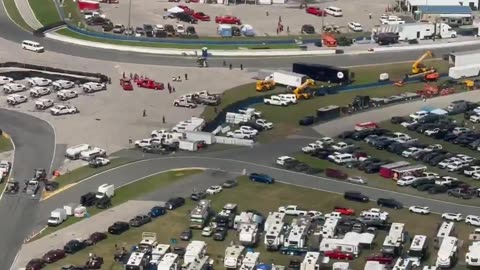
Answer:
x=290 y=98
x=91 y=154
x=334 y=11
x=74 y=152
x=343 y=158
x=32 y=46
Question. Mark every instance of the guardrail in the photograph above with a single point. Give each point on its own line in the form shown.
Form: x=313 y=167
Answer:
x=227 y=41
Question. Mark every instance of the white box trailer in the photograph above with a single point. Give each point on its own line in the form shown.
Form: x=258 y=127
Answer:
x=288 y=78
x=70 y=208
x=464 y=71
x=207 y=137
x=188 y=145
x=412 y=31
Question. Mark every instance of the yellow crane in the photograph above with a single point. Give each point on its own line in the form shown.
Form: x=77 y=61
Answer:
x=299 y=90
x=265 y=85
x=418 y=67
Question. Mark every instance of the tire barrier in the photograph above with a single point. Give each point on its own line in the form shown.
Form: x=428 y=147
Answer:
x=41 y=71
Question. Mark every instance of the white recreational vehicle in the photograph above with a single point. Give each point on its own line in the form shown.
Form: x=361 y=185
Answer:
x=311 y=261
x=250 y=261
x=170 y=261
x=200 y=214
x=472 y=258
x=199 y=264
x=447 y=254
x=149 y=240
x=446 y=229
x=418 y=248
x=329 y=228
x=350 y=243
x=395 y=237
x=297 y=236
x=274 y=231
x=194 y=251
x=137 y=261
x=158 y=252
x=248 y=234
x=246 y=217
x=233 y=257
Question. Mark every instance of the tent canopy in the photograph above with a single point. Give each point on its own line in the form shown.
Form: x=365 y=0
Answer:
x=175 y=10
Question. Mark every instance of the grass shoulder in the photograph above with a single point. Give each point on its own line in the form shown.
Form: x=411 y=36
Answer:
x=15 y=16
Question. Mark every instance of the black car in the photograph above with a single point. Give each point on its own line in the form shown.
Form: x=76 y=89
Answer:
x=355 y=196
x=148 y=28
x=107 y=26
x=51 y=185
x=186 y=18
x=180 y=251
x=73 y=246
x=383 y=143
x=140 y=220
x=398 y=120
x=307 y=121
x=95 y=20
x=220 y=234
x=421 y=182
x=155 y=149
x=362 y=134
x=321 y=153
x=390 y=203
x=413 y=126
x=425 y=187
x=301 y=167
x=437 y=159
x=294 y=265
x=346 y=134
x=174 y=203
x=104 y=203
x=449 y=137
x=436 y=189
x=308 y=29
x=186 y=235
x=230 y=183
x=118 y=227
x=88 y=199
x=197 y=196
x=313 y=170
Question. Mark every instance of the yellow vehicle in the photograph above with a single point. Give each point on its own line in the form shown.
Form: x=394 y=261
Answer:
x=469 y=84
x=418 y=67
x=265 y=85
x=299 y=94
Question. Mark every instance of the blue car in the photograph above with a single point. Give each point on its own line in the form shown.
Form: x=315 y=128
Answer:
x=261 y=178
x=157 y=211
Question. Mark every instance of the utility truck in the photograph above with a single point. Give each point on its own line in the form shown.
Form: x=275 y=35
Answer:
x=57 y=217
x=105 y=190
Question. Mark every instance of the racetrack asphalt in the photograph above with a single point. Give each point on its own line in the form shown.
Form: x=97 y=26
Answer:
x=34 y=148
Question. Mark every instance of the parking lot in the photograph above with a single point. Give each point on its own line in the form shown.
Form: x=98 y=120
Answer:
x=292 y=17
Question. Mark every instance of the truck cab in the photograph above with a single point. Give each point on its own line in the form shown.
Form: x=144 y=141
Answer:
x=105 y=190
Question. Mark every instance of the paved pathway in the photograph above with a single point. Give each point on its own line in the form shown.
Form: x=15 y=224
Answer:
x=27 y=13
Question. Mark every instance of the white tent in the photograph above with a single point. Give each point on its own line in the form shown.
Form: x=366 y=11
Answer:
x=175 y=10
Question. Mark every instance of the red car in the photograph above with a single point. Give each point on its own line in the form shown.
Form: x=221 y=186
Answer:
x=186 y=9
x=150 y=84
x=316 y=11
x=227 y=19
x=126 y=84
x=54 y=255
x=381 y=258
x=338 y=255
x=35 y=264
x=344 y=211
x=201 y=16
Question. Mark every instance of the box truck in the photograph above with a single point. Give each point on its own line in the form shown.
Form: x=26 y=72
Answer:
x=187 y=145
x=105 y=190
x=57 y=217
x=287 y=78
x=70 y=208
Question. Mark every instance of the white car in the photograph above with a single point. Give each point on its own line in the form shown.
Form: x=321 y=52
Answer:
x=238 y=134
x=100 y=161
x=314 y=214
x=37 y=81
x=180 y=28
x=391 y=20
x=66 y=94
x=411 y=151
x=476 y=176
x=477 y=110
x=289 y=98
x=283 y=160
x=406 y=180
x=418 y=115
x=406 y=124
x=264 y=123
x=325 y=140
x=355 y=27
x=471 y=171
x=474 y=119
x=431 y=175
x=472 y=220
x=43 y=104
x=433 y=147
x=64 y=109
x=158 y=27
x=275 y=100
x=423 y=210
x=357 y=180
x=39 y=91
x=146 y=142
x=431 y=132
x=456 y=166
x=62 y=84
x=91 y=87
x=207 y=231
x=311 y=147
x=15 y=99
x=214 y=190
x=445 y=180
x=460 y=130
x=90 y=14
x=249 y=130
x=446 y=162
x=452 y=216
x=11 y=88
x=341 y=146
x=465 y=158
x=5 y=80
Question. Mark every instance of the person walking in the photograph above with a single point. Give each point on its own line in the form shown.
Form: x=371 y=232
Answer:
x=241 y=66
x=370 y=15
x=144 y=113
x=186 y=77
x=130 y=140
x=163 y=119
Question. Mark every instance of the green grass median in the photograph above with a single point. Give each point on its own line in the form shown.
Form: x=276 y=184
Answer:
x=14 y=14
x=129 y=192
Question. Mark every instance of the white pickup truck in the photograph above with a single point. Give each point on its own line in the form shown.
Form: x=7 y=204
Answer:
x=311 y=147
x=292 y=210
x=275 y=100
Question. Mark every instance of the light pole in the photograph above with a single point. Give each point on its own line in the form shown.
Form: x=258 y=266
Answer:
x=129 y=13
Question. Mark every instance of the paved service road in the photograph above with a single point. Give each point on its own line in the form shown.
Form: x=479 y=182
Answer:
x=34 y=146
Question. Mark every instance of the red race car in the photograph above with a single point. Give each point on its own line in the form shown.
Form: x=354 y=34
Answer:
x=227 y=19
x=344 y=211
x=126 y=84
x=381 y=258
x=338 y=255
x=316 y=11
x=186 y=9
x=150 y=84
x=201 y=16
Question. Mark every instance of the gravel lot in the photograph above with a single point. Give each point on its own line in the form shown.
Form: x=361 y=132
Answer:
x=108 y=118
x=151 y=12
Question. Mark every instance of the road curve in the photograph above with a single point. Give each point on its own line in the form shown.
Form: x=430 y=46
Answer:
x=130 y=172
x=34 y=141
x=11 y=32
